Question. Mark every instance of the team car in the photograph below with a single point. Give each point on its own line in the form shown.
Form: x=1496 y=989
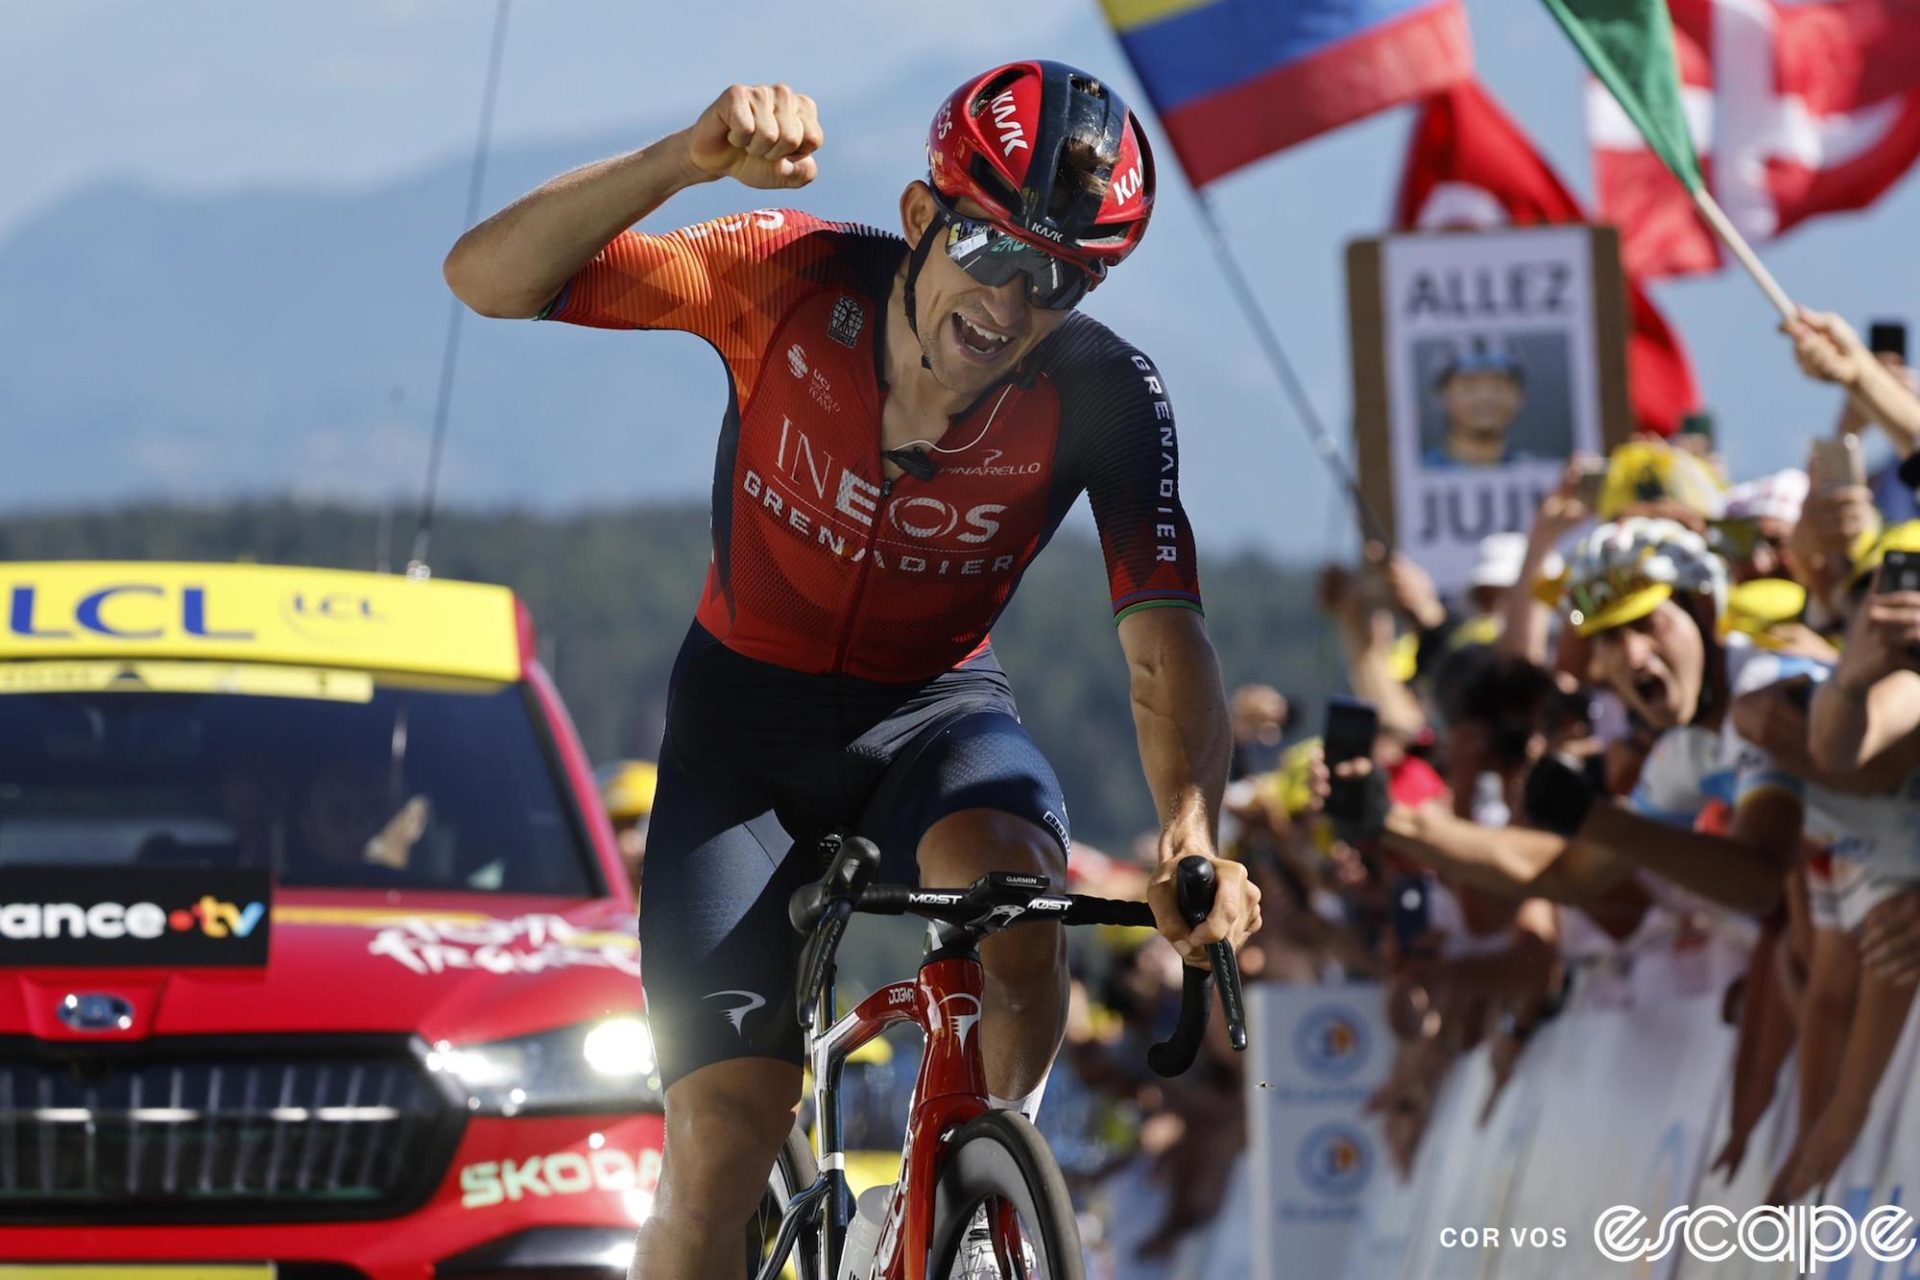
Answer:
x=317 y=959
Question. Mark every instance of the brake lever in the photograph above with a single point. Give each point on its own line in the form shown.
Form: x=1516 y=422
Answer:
x=821 y=910
x=1194 y=887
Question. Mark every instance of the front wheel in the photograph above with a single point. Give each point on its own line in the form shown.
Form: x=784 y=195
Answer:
x=793 y=1172
x=998 y=1187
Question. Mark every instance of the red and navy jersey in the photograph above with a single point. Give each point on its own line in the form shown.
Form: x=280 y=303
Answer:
x=820 y=562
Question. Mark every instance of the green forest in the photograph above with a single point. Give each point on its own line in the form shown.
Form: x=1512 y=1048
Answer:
x=612 y=592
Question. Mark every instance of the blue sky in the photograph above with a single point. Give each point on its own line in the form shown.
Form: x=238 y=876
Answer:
x=195 y=95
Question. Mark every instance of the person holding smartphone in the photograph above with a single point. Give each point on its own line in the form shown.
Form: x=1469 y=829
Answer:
x=1881 y=388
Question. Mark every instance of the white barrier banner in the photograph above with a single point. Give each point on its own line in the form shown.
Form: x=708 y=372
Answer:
x=1318 y=1053
x=1611 y=1118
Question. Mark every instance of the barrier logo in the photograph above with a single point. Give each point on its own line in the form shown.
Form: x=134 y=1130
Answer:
x=1335 y=1160
x=1331 y=1043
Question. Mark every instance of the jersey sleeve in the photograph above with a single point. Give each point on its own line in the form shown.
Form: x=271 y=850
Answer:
x=1119 y=439
x=728 y=281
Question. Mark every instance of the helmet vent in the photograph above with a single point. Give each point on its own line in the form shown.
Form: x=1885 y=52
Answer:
x=983 y=173
x=994 y=88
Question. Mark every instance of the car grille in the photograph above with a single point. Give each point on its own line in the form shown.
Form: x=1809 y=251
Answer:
x=219 y=1132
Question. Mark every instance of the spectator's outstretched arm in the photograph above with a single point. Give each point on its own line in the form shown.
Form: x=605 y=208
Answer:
x=1776 y=720
x=1745 y=869
x=1766 y=1038
x=1367 y=633
x=1516 y=862
x=1829 y=349
x=1524 y=619
x=1833 y=985
x=1872 y=703
x=1879 y=1018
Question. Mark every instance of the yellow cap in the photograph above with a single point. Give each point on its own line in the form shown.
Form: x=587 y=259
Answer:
x=1872 y=547
x=1648 y=471
x=1631 y=607
x=627 y=789
x=1755 y=608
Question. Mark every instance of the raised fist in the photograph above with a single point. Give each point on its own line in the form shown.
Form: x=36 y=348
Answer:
x=760 y=135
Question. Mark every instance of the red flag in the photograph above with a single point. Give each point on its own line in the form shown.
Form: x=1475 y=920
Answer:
x=1796 y=109
x=1470 y=166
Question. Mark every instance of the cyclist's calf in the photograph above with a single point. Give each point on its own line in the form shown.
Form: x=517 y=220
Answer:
x=725 y=1124
x=1026 y=968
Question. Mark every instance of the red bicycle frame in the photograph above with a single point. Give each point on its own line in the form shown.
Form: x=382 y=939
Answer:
x=944 y=1000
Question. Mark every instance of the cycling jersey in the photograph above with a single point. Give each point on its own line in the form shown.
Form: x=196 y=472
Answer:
x=1691 y=768
x=822 y=564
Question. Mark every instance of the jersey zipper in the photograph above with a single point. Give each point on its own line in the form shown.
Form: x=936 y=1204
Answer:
x=865 y=567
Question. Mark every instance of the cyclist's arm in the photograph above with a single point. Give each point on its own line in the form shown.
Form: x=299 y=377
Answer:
x=1180 y=717
x=515 y=263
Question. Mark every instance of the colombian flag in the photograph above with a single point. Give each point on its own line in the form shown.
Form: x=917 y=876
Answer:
x=1234 y=80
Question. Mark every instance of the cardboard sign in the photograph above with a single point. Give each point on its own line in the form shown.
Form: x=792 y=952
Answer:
x=133 y=917
x=1482 y=361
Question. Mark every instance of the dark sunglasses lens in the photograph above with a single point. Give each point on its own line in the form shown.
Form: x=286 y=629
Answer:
x=992 y=257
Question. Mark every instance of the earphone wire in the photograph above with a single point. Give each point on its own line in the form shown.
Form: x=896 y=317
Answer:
x=981 y=435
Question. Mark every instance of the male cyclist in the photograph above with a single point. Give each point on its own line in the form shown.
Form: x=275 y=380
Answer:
x=910 y=421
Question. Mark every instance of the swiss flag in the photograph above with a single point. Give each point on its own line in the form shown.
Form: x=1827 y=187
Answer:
x=1796 y=109
x=1470 y=166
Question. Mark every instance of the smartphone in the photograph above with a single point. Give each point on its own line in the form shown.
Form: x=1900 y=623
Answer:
x=1900 y=571
x=1592 y=482
x=1837 y=463
x=1412 y=911
x=1888 y=337
x=1352 y=726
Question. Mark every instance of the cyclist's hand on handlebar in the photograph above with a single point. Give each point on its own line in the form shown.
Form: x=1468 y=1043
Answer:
x=760 y=135
x=1236 y=903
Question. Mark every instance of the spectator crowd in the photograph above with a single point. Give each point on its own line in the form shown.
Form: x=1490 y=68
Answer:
x=1679 y=715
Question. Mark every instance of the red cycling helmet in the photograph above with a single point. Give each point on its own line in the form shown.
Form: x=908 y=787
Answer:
x=999 y=140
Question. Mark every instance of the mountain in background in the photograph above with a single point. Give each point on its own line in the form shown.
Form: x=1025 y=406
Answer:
x=613 y=592
x=278 y=341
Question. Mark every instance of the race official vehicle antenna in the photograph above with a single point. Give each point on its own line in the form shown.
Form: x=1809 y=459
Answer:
x=450 y=354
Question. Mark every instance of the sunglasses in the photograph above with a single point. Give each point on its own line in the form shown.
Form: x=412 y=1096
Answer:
x=993 y=257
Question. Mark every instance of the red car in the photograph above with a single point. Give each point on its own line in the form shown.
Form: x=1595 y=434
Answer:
x=317 y=960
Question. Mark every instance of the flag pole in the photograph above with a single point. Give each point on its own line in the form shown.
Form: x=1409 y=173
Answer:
x=1317 y=433
x=1730 y=236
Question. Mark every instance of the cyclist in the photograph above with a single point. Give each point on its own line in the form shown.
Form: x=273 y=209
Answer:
x=910 y=421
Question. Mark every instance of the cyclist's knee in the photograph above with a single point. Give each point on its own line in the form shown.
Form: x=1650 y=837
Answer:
x=725 y=1124
x=963 y=846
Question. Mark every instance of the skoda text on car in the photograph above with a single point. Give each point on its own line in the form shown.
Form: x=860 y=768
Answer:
x=316 y=959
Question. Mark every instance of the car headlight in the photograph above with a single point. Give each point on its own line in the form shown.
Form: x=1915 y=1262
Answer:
x=607 y=1065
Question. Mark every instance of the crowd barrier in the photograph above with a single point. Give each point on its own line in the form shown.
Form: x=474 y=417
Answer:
x=1616 y=1106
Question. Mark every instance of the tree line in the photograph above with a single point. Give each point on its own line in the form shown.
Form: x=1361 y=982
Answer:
x=612 y=592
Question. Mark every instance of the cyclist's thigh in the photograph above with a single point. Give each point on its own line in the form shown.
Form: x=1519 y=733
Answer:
x=717 y=954
x=976 y=758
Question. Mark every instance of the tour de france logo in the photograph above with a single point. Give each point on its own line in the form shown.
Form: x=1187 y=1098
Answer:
x=1335 y=1160
x=1331 y=1043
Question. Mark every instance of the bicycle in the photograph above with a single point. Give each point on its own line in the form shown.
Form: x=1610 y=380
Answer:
x=960 y=1156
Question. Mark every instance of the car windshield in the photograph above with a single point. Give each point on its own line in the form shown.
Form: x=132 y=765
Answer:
x=391 y=786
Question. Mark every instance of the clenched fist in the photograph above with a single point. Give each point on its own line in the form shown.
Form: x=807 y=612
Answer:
x=760 y=135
